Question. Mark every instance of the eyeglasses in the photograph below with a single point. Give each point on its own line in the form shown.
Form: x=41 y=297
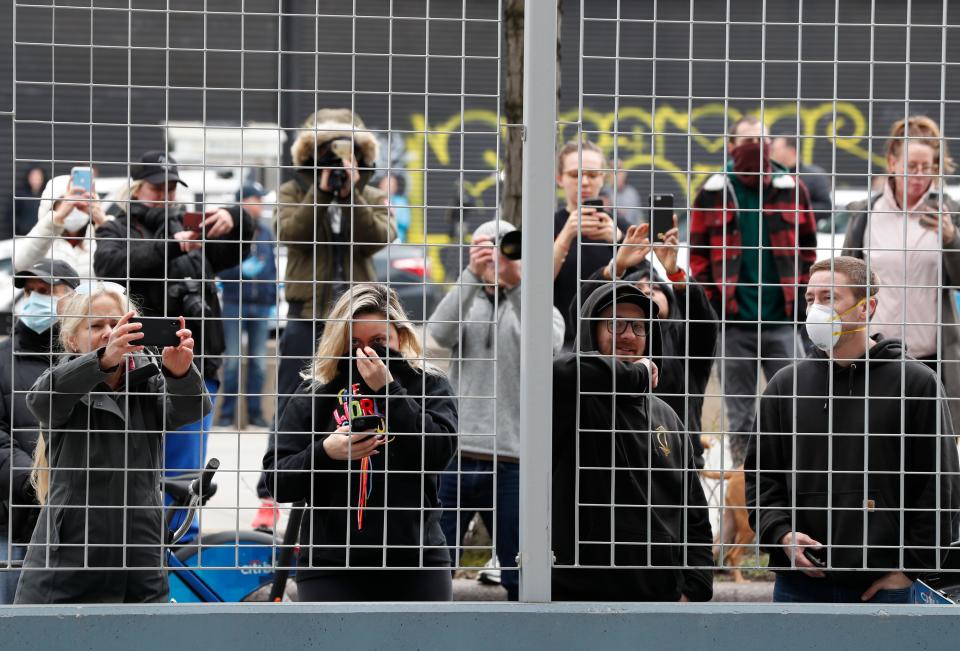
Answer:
x=918 y=168
x=587 y=174
x=619 y=326
x=98 y=286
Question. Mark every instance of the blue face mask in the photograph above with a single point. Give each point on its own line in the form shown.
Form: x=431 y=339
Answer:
x=39 y=312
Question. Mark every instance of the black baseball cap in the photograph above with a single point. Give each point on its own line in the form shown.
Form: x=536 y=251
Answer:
x=156 y=167
x=53 y=272
x=623 y=292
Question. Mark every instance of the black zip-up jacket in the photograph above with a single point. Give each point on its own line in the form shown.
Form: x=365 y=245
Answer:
x=421 y=425
x=660 y=518
x=24 y=357
x=138 y=251
x=892 y=461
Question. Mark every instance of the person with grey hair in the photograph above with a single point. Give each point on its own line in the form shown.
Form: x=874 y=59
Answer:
x=480 y=322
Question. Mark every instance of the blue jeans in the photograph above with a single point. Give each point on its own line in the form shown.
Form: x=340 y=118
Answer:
x=9 y=578
x=253 y=320
x=185 y=452
x=474 y=487
x=796 y=587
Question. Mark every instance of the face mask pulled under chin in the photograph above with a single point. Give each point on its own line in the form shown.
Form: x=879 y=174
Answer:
x=749 y=160
x=825 y=327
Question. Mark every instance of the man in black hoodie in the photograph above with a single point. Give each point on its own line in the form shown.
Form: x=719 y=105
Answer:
x=657 y=544
x=23 y=358
x=688 y=323
x=852 y=479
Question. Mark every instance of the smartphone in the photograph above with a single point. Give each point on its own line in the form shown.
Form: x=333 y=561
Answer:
x=811 y=556
x=193 y=221
x=365 y=423
x=661 y=215
x=594 y=203
x=82 y=178
x=158 y=331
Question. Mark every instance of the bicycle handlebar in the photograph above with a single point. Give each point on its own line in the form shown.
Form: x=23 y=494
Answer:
x=198 y=487
x=201 y=485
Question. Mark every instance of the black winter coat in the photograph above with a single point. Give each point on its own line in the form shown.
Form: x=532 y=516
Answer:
x=139 y=252
x=97 y=516
x=632 y=453
x=895 y=463
x=24 y=357
x=421 y=435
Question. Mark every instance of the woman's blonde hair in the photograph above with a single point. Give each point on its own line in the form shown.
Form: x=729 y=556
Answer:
x=360 y=299
x=75 y=311
x=922 y=130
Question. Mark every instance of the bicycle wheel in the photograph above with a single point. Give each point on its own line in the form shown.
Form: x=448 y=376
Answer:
x=236 y=565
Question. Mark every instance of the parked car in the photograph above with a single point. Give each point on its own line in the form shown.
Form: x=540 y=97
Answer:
x=406 y=268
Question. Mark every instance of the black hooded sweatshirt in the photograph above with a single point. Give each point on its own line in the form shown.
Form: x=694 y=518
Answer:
x=421 y=425
x=897 y=444
x=655 y=513
x=688 y=344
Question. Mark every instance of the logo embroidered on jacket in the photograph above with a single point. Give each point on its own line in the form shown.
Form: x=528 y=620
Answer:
x=662 y=441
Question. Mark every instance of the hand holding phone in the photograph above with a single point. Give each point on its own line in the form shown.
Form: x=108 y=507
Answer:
x=811 y=555
x=661 y=215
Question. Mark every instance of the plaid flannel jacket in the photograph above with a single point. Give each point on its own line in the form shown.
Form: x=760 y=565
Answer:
x=715 y=239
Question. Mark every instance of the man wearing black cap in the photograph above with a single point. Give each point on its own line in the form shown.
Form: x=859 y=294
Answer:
x=23 y=358
x=626 y=492
x=169 y=264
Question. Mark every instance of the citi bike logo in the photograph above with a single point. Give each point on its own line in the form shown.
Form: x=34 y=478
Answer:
x=255 y=567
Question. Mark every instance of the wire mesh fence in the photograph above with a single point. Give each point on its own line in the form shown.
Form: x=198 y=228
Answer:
x=304 y=208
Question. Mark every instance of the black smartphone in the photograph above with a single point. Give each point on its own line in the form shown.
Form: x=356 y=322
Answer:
x=158 y=331
x=811 y=556
x=365 y=423
x=661 y=215
x=594 y=203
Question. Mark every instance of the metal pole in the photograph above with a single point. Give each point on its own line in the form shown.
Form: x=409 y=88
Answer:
x=536 y=352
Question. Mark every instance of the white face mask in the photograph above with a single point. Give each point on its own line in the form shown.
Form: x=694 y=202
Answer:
x=75 y=221
x=824 y=325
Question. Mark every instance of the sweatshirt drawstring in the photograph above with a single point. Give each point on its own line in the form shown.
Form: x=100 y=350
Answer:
x=366 y=487
x=853 y=369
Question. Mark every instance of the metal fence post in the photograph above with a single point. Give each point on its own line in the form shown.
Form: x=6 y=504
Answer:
x=536 y=353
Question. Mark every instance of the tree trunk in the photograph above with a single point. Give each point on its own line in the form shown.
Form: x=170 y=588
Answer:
x=511 y=200
x=513 y=113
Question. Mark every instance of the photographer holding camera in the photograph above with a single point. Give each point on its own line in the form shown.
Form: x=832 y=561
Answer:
x=171 y=270
x=478 y=321
x=332 y=223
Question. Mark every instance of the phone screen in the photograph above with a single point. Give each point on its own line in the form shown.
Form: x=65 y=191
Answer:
x=82 y=178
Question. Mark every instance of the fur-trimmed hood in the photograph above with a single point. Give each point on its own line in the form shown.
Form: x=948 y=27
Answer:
x=329 y=124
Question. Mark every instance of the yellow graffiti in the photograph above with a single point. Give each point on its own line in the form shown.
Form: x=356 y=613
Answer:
x=637 y=135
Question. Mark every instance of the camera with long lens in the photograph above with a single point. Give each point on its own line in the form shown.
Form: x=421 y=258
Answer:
x=189 y=295
x=511 y=245
x=330 y=155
